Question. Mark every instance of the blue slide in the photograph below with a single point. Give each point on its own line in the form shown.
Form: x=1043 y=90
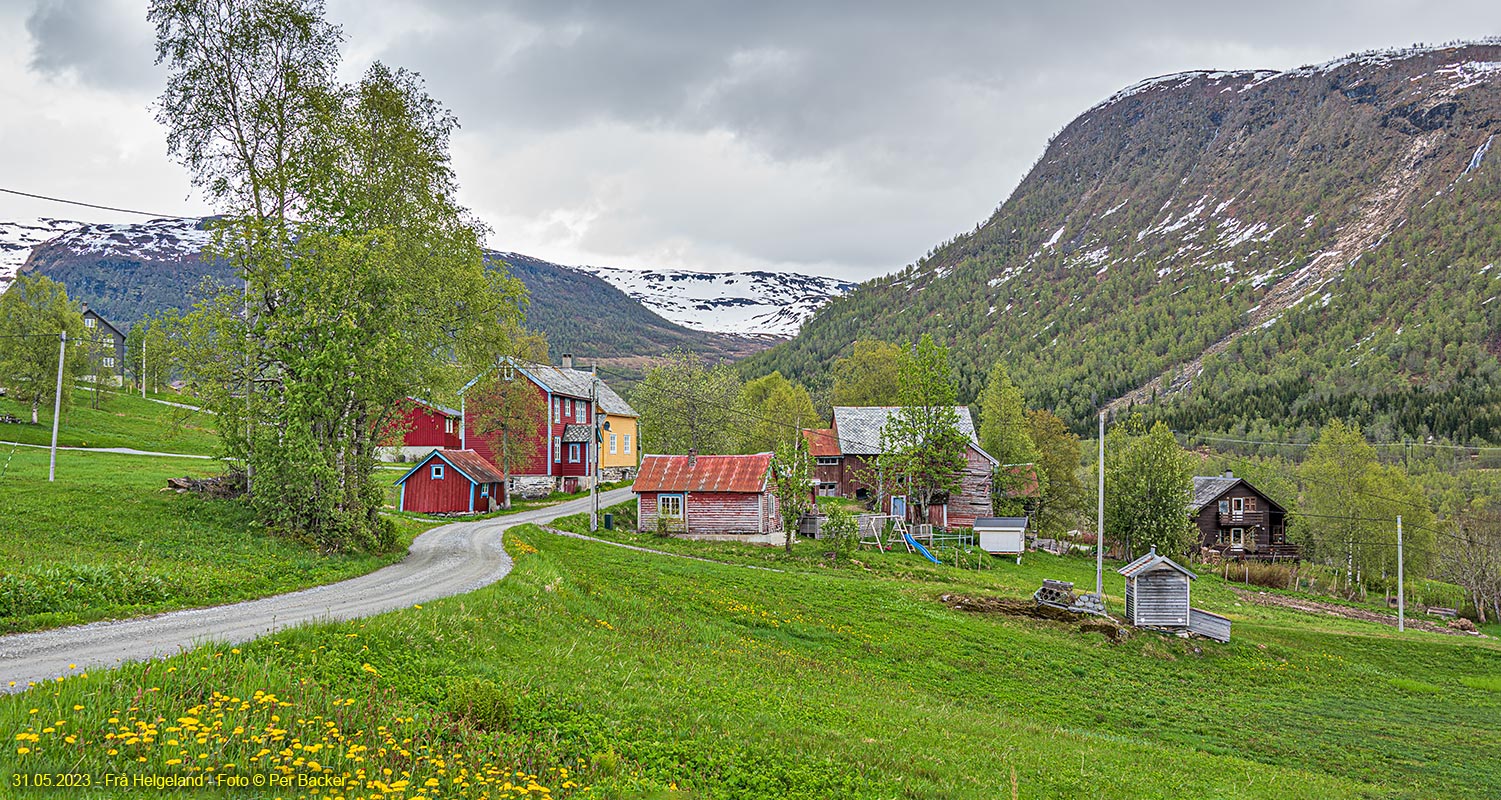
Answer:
x=921 y=549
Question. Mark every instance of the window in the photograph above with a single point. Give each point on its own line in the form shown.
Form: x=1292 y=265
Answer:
x=1237 y=505
x=826 y=461
x=1250 y=504
x=573 y=452
x=571 y=408
x=1224 y=506
x=556 y=413
x=612 y=444
x=628 y=443
x=1238 y=537
x=437 y=472
x=448 y=424
x=670 y=506
x=509 y=373
x=584 y=410
x=557 y=449
x=88 y=322
x=109 y=361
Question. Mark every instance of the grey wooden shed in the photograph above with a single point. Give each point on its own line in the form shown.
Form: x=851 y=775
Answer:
x=1157 y=592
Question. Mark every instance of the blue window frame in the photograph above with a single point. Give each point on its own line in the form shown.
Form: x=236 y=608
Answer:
x=670 y=506
x=437 y=472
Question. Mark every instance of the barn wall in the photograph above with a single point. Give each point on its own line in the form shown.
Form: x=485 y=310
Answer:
x=717 y=512
x=1162 y=598
x=425 y=495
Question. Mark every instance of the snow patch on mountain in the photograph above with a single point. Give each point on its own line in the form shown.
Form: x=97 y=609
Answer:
x=755 y=303
x=18 y=237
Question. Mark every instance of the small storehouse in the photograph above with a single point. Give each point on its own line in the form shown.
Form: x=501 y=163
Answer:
x=1157 y=592
x=452 y=482
x=708 y=496
x=1002 y=536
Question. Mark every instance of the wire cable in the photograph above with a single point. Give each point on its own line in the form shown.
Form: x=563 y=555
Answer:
x=95 y=205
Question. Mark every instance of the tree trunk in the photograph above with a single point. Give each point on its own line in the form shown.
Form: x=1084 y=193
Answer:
x=34 y=405
x=505 y=469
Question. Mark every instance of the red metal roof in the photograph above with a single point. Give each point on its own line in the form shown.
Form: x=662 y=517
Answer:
x=707 y=474
x=823 y=442
x=473 y=465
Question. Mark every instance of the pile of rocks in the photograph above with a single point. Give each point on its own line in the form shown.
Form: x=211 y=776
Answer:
x=1089 y=604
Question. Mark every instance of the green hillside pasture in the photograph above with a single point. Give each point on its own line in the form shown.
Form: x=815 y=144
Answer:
x=649 y=676
x=107 y=540
x=123 y=420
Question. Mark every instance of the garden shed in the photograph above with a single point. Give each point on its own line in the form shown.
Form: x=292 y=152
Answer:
x=1002 y=536
x=1157 y=592
x=452 y=482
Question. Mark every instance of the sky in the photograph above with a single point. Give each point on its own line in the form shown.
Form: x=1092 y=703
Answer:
x=831 y=138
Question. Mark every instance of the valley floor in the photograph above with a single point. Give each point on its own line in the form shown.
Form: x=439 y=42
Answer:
x=638 y=675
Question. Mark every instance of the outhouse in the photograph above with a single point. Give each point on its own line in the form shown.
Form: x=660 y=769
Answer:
x=1157 y=592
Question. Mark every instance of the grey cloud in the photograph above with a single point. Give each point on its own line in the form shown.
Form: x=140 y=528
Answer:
x=105 y=44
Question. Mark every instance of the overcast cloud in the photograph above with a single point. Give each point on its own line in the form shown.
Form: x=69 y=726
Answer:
x=834 y=138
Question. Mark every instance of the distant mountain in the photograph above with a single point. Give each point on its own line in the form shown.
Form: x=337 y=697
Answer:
x=756 y=303
x=1235 y=251
x=127 y=271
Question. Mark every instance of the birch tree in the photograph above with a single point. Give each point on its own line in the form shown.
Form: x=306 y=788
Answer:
x=34 y=313
x=922 y=447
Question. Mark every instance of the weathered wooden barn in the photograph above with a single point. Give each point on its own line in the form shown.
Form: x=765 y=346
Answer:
x=846 y=464
x=452 y=482
x=708 y=496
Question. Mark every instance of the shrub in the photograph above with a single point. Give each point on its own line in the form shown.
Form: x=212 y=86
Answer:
x=481 y=703
x=840 y=529
x=1274 y=576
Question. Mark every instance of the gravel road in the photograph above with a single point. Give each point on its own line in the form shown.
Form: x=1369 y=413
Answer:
x=453 y=559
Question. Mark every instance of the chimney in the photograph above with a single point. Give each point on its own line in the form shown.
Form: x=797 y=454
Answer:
x=692 y=458
x=567 y=361
x=1229 y=474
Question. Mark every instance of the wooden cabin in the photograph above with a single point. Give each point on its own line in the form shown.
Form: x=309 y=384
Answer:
x=1237 y=520
x=1157 y=592
x=709 y=496
x=452 y=482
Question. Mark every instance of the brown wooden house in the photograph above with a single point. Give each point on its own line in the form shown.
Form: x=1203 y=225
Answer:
x=1237 y=520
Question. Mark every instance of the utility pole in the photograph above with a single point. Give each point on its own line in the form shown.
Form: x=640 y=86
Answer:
x=57 y=406
x=1401 y=598
x=594 y=450
x=143 y=364
x=1099 y=534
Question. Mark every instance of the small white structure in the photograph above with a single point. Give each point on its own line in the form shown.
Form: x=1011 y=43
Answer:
x=1157 y=592
x=1002 y=536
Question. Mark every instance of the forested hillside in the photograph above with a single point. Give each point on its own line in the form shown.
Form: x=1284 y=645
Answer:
x=129 y=271
x=1249 y=252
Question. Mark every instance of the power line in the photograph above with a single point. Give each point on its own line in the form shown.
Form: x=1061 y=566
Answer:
x=1311 y=444
x=95 y=205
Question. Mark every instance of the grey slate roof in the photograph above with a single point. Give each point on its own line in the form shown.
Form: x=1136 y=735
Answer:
x=860 y=428
x=572 y=383
x=1206 y=489
x=576 y=433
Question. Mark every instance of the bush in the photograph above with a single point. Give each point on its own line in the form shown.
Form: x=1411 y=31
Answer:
x=840 y=529
x=481 y=703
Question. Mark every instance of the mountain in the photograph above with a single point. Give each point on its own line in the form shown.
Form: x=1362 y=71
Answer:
x=127 y=271
x=1250 y=252
x=756 y=303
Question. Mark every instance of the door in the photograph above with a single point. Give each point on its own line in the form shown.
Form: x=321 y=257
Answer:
x=1237 y=505
x=899 y=507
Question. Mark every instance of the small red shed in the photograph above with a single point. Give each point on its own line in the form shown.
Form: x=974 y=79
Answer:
x=708 y=495
x=452 y=482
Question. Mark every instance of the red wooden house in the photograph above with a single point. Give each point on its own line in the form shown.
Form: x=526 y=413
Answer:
x=709 y=496
x=424 y=427
x=452 y=482
x=563 y=452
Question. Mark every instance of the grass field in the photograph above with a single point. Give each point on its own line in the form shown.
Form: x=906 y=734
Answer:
x=123 y=420
x=106 y=541
x=641 y=675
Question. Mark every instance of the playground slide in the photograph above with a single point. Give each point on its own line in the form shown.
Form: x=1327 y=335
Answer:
x=920 y=548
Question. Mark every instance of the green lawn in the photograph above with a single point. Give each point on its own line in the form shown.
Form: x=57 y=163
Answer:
x=122 y=420
x=107 y=540
x=648 y=676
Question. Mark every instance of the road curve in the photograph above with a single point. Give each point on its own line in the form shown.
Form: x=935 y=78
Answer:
x=452 y=559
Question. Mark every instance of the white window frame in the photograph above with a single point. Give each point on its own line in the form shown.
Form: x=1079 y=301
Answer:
x=1237 y=537
x=1237 y=505
x=88 y=322
x=612 y=444
x=109 y=361
x=557 y=406
x=436 y=472
x=448 y=424
x=828 y=461
x=557 y=449
x=663 y=504
x=627 y=443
